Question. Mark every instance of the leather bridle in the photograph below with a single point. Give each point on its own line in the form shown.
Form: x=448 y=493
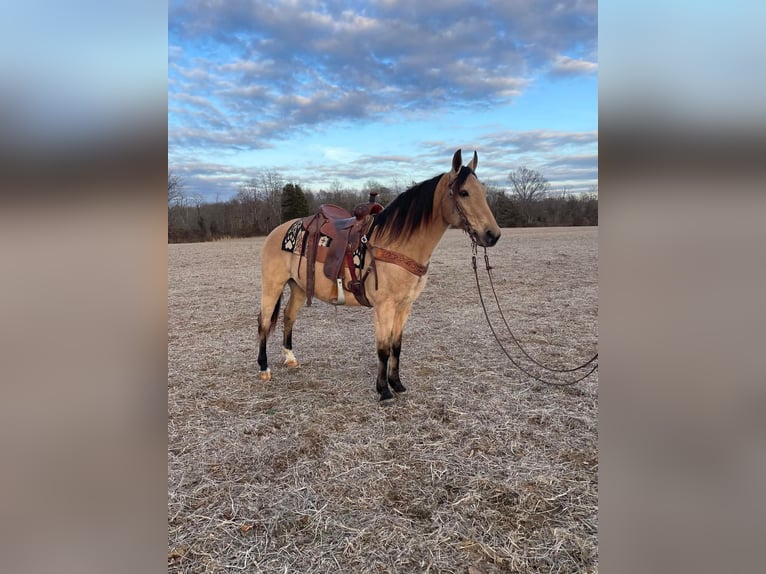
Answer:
x=454 y=192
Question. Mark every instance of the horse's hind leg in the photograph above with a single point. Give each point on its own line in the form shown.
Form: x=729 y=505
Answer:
x=297 y=300
x=267 y=321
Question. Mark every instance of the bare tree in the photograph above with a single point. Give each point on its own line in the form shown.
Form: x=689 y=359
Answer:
x=176 y=200
x=261 y=201
x=494 y=194
x=246 y=217
x=385 y=194
x=336 y=187
x=269 y=191
x=175 y=190
x=397 y=186
x=338 y=195
x=529 y=186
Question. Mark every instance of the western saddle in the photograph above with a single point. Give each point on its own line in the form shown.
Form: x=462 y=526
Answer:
x=339 y=234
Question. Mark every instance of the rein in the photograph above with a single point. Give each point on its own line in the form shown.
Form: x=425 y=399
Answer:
x=513 y=337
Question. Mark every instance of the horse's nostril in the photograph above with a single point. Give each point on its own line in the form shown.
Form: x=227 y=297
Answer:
x=491 y=238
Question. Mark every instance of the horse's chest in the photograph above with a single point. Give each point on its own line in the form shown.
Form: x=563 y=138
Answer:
x=416 y=289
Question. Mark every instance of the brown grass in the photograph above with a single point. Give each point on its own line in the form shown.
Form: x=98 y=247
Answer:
x=475 y=467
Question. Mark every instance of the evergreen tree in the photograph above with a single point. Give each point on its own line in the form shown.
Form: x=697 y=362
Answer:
x=294 y=202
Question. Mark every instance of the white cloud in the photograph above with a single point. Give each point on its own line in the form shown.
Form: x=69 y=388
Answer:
x=564 y=65
x=415 y=56
x=248 y=74
x=339 y=154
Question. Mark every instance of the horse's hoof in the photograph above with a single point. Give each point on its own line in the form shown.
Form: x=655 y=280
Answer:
x=387 y=402
x=399 y=388
x=290 y=359
x=266 y=375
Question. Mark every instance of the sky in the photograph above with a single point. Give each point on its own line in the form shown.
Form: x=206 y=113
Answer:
x=337 y=94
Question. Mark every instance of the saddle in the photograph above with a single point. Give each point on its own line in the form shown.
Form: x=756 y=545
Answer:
x=343 y=233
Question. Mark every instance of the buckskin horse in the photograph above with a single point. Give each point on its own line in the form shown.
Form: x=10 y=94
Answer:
x=378 y=256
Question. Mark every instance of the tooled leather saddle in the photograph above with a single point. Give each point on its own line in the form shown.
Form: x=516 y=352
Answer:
x=341 y=234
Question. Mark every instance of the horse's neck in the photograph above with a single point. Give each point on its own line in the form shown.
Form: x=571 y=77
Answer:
x=422 y=243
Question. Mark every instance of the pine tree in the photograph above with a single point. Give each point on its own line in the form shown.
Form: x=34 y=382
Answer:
x=294 y=202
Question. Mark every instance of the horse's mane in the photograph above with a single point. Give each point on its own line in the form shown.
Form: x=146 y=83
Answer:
x=409 y=211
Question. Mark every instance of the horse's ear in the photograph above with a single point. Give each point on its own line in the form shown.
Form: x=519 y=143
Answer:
x=474 y=161
x=457 y=161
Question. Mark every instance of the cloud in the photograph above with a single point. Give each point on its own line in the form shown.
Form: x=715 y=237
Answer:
x=536 y=141
x=207 y=181
x=268 y=68
x=566 y=66
x=566 y=159
x=573 y=172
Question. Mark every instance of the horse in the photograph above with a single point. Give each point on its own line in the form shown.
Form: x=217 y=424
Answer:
x=399 y=245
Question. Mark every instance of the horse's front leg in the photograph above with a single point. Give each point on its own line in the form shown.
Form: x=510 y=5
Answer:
x=384 y=321
x=400 y=318
x=393 y=366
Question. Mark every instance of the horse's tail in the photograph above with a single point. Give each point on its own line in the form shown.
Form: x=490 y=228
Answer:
x=274 y=317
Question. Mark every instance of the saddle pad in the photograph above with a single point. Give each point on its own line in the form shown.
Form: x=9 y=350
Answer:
x=293 y=242
x=290 y=240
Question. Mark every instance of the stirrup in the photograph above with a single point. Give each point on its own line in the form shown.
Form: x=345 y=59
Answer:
x=341 y=299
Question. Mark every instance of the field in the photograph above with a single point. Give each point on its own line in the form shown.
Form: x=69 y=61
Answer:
x=477 y=469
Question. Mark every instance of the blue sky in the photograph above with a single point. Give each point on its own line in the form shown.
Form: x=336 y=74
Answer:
x=341 y=93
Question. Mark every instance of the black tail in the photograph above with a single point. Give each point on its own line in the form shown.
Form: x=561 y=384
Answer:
x=274 y=317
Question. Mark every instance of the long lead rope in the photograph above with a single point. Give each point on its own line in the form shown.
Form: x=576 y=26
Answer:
x=515 y=340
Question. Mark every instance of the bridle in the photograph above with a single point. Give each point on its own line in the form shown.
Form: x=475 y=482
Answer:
x=454 y=193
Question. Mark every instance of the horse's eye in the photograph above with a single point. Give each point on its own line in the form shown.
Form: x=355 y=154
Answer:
x=463 y=193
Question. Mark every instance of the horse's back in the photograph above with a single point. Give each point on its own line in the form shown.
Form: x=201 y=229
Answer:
x=275 y=239
x=276 y=254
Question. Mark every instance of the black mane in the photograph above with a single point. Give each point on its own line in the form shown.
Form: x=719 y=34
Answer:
x=409 y=211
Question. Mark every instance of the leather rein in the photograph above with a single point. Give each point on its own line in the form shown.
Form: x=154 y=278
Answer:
x=466 y=226
x=578 y=369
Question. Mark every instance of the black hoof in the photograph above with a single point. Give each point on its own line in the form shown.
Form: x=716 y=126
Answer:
x=399 y=387
x=386 y=396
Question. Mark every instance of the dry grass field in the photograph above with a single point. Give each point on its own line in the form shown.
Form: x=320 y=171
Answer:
x=477 y=469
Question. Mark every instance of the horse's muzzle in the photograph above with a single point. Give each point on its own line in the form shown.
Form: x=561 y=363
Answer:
x=489 y=238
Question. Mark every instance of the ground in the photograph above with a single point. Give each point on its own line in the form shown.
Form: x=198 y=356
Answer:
x=477 y=468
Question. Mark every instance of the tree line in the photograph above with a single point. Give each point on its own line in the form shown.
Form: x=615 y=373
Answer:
x=268 y=199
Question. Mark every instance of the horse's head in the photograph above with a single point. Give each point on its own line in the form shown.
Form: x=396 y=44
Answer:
x=468 y=203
